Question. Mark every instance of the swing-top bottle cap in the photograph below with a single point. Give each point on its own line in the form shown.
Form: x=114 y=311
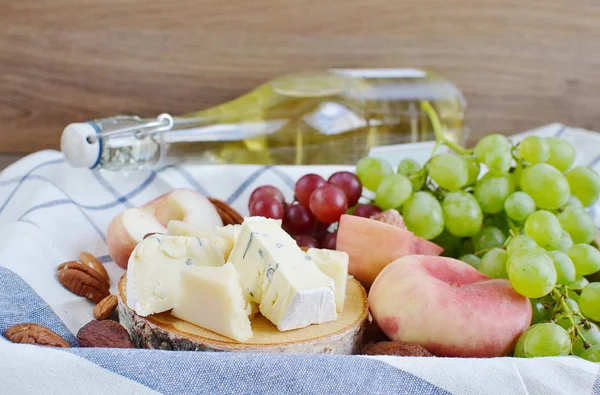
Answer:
x=78 y=148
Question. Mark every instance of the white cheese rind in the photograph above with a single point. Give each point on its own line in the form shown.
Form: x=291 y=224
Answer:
x=213 y=298
x=333 y=264
x=154 y=268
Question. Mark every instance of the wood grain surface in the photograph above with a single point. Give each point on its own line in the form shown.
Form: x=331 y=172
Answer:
x=520 y=63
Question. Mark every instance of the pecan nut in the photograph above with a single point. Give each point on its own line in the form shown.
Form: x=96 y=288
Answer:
x=89 y=260
x=30 y=333
x=83 y=281
x=228 y=214
x=106 y=333
x=397 y=348
x=105 y=307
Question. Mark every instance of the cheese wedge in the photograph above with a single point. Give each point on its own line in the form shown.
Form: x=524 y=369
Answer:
x=333 y=264
x=213 y=298
x=222 y=237
x=154 y=269
x=261 y=242
x=277 y=274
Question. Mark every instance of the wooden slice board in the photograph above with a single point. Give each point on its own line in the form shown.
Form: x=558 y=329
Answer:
x=163 y=331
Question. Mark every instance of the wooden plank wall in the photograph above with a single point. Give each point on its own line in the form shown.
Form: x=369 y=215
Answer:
x=520 y=63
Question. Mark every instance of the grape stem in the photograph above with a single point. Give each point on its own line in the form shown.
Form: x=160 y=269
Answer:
x=560 y=298
x=436 y=125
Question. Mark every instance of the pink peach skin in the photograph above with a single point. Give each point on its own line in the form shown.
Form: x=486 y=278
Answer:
x=127 y=229
x=448 y=307
x=371 y=245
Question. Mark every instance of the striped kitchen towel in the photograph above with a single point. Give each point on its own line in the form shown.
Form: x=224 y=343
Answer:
x=50 y=212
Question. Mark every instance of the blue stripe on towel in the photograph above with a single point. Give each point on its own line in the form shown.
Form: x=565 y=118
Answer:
x=189 y=372
x=19 y=303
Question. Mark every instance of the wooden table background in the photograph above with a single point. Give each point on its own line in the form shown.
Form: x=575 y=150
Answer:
x=520 y=63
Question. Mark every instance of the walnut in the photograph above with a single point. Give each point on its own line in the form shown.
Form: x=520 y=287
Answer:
x=89 y=260
x=105 y=307
x=106 y=333
x=29 y=333
x=397 y=348
x=82 y=280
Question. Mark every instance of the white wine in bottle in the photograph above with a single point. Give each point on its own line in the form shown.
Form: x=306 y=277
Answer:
x=331 y=117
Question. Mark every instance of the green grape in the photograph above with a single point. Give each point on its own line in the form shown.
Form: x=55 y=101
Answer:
x=543 y=227
x=562 y=153
x=498 y=161
x=370 y=172
x=408 y=166
x=586 y=259
x=540 y=312
x=547 y=186
x=591 y=332
x=423 y=215
x=531 y=272
x=462 y=214
x=491 y=143
x=573 y=305
x=574 y=202
x=518 y=206
x=534 y=149
x=592 y=354
x=565 y=269
x=585 y=184
x=491 y=191
x=565 y=241
x=578 y=223
x=589 y=301
x=579 y=283
x=493 y=263
x=449 y=171
x=474 y=168
x=411 y=169
x=543 y=340
x=471 y=259
x=489 y=237
x=393 y=191
x=515 y=177
x=520 y=241
x=572 y=294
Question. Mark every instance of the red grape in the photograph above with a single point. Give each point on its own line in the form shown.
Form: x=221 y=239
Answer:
x=306 y=241
x=305 y=187
x=299 y=220
x=266 y=191
x=268 y=207
x=366 y=210
x=348 y=183
x=328 y=203
x=329 y=242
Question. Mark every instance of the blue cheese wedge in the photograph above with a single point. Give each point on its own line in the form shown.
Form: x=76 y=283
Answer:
x=333 y=264
x=213 y=298
x=297 y=294
x=154 y=268
x=289 y=288
x=252 y=254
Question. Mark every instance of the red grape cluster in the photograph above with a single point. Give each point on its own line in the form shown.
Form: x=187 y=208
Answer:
x=318 y=204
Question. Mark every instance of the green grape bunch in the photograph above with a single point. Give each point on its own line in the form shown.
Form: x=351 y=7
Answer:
x=516 y=211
